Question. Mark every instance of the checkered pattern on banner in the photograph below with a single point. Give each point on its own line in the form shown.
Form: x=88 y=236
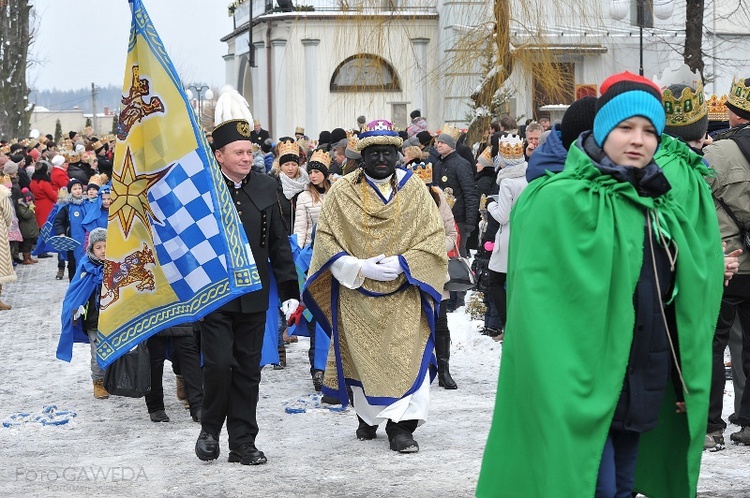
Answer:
x=46 y=230
x=62 y=243
x=189 y=245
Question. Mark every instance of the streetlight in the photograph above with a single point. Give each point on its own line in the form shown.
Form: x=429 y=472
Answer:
x=662 y=9
x=202 y=91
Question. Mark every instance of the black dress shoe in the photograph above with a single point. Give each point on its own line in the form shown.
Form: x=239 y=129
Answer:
x=404 y=443
x=366 y=432
x=159 y=416
x=248 y=454
x=207 y=446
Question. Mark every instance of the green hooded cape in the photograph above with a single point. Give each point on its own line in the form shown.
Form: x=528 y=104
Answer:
x=575 y=257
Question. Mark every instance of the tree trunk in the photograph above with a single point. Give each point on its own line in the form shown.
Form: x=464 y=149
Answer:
x=693 y=54
x=15 y=38
x=503 y=68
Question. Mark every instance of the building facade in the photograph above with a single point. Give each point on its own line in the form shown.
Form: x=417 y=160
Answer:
x=318 y=64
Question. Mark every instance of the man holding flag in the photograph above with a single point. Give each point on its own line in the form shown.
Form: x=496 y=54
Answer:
x=232 y=336
x=183 y=241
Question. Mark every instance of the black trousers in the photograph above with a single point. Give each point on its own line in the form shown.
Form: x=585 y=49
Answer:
x=735 y=303
x=231 y=343
x=186 y=349
x=311 y=352
x=499 y=296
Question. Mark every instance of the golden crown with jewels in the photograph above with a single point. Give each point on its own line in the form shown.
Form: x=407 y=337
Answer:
x=423 y=171
x=687 y=108
x=690 y=106
x=511 y=147
x=739 y=95
x=717 y=111
x=288 y=147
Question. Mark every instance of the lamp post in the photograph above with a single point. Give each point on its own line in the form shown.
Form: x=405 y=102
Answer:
x=201 y=91
x=662 y=9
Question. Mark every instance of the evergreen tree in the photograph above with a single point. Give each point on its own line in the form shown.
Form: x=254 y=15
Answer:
x=114 y=124
x=88 y=122
x=58 y=131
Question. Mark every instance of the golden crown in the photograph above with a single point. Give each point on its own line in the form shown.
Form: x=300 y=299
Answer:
x=717 y=111
x=288 y=147
x=322 y=157
x=486 y=156
x=423 y=171
x=351 y=141
x=511 y=147
x=96 y=180
x=739 y=95
x=686 y=108
x=450 y=130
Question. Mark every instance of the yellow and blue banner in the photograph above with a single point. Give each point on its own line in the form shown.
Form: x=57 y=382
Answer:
x=176 y=249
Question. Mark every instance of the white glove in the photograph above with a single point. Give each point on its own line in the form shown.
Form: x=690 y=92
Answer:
x=79 y=312
x=393 y=264
x=288 y=307
x=372 y=269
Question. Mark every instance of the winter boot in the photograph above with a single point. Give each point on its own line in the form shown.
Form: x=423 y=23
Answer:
x=3 y=306
x=400 y=436
x=99 y=391
x=365 y=431
x=741 y=437
x=60 y=274
x=714 y=441
x=443 y=353
x=180 y=383
x=28 y=260
x=317 y=379
x=282 y=359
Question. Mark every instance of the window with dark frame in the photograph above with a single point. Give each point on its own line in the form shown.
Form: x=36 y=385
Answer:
x=365 y=72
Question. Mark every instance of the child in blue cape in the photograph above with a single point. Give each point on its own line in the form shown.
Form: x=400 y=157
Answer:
x=80 y=313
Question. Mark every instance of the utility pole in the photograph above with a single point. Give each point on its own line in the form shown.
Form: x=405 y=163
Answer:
x=93 y=108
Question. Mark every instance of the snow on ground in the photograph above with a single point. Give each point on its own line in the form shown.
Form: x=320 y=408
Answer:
x=112 y=448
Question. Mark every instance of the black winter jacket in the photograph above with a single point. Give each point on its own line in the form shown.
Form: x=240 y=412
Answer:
x=455 y=172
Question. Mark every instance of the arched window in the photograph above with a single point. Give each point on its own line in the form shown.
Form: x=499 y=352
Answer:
x=365 y=72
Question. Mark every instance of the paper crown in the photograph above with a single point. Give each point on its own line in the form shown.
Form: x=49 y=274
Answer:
x=511 y=147
x=95 y=180
x=351 y=151
x=97 y=146
x=485 y=158
x=717 y=111
x=690 y=106
x=288 y=148
x=378 y=132
x=739 y=95
x=299 y=131
x=450 y=130
x=322 y=157
x=423 y=171
x=72 y=157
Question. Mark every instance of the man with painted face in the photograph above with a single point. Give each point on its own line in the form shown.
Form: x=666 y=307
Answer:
x=377 y=270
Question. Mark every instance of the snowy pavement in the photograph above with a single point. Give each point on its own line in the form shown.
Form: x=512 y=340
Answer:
x=111 y=448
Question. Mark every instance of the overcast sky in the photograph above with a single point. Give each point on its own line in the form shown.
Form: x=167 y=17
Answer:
x=79 y=42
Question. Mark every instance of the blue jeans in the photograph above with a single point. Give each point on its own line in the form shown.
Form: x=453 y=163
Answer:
x=617 y=468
